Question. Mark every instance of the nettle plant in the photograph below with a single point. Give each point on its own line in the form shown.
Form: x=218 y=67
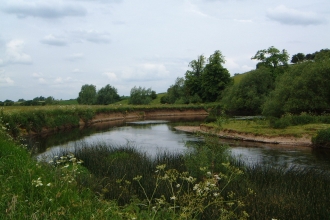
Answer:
x=191 y=198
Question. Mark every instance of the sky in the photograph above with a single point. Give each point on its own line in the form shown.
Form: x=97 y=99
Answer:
x=54 y=47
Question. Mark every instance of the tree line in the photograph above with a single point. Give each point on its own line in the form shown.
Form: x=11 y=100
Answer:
x=108 y=95
x=274 y=88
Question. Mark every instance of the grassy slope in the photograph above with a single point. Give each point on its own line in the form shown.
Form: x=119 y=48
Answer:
x=261 y=127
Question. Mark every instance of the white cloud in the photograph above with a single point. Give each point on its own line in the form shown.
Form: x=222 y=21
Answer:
x=288 y=16
x=243 y=20
x=75 y=57
x=60 y=80
x=45 y=9
x=14 y=53
x=91 y=36
x=145 y=72
x=76 y=70
x=54 y=40
x=37 y=75
x=42 y=81
x=112 y=76
x=6 y=81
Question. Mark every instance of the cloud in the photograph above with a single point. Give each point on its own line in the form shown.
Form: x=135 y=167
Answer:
x=243 y=20
x=75 y=57
x=44 y=9
x=6 y=80
x=15 y=55
x=60 y=80
x=145 y=72
x=54 y=41
x=112 y=76
x=76 y=70
x=289 y=16
x=92 y=36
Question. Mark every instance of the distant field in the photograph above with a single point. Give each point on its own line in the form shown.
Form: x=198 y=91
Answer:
x=68 y=102
x=238 y=77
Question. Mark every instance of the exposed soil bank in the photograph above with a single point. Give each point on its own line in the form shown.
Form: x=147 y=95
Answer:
x=230 y=134
x=139 y=115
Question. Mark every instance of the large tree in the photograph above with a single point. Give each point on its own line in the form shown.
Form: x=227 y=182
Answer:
x=107 y=95
x=215 y=77
x=87 y=95
x=193 y=77
x=298 y=58
x=272 y=58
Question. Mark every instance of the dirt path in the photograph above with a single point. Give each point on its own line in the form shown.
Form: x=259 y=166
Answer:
x=286 y=140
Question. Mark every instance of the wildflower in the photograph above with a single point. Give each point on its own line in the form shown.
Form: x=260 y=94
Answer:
x=217 y=177
x=161 y=167
x=66 y=166
x=215 y=194
x=196 y=187
x=49 y=184
x=173 y=198
x=208 y=173
x=37 y=182
x=177 y=185
x=137 y=178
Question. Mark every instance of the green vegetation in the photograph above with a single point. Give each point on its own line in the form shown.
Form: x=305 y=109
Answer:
x=105 y=96
x=322 y=138
x=248 y=96
x=276 y=88
x=204 y=83
x=56 y=117
x=296 y=126
x=141 y=96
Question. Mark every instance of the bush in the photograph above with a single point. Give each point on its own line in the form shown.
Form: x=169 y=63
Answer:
x=322 y=138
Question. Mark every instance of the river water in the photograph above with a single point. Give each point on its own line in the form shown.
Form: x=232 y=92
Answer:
x=157 y=136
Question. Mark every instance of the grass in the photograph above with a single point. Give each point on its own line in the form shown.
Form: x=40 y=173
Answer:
x=262 y=127
x=118 y=182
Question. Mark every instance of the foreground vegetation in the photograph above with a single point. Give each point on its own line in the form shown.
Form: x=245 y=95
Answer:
x=101 y=181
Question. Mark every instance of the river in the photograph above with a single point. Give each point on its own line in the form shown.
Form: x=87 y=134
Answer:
x=157 y=136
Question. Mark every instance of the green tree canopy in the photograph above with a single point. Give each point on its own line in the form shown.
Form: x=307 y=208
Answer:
x=107 y=95
x=176 y=93
x=215 y=77
x=298 y=58
x=87 y=95
x=193 y=77
x=140 y=96
x=272 y=58
x=304 y=88
x=248 y=96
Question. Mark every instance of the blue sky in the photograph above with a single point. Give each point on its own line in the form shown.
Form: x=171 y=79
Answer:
x=52 y=48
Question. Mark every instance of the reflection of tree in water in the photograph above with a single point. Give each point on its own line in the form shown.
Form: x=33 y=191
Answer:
x=40 y=143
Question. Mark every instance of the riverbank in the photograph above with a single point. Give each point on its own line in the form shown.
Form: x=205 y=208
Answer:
x=236 y=135
x=24 y=120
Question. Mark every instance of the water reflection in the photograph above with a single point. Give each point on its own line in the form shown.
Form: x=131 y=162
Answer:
x=158 y=136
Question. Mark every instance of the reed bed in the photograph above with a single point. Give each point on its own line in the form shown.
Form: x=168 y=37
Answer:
x=267 y=192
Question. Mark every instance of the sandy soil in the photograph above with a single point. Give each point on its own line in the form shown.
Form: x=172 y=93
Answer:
x=283 y=140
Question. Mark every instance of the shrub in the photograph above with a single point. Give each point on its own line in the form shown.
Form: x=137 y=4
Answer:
x=322 y=138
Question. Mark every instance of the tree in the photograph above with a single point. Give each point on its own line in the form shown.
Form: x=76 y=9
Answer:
x=248 y=96
x=176 y=93
x=215 y=77
x=193 y=78
x=107 y=95
x=87 y=95
x=298 y=58
x=140 y=96
x=272 y=58
x=8 y=102
x=50 y=100
x=304 y=88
